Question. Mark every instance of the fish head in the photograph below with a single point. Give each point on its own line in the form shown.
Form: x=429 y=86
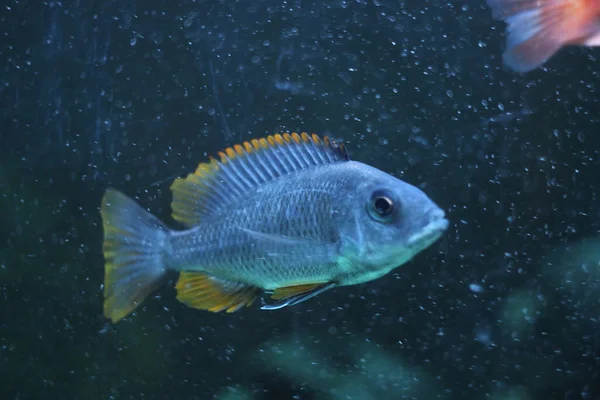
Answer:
x=391 y=222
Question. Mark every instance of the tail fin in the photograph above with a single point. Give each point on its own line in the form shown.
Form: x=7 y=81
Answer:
x=538 y=29
x=134 y=249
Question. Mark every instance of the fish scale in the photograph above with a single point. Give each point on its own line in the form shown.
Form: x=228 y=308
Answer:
x=287 y=213
x=288 y=210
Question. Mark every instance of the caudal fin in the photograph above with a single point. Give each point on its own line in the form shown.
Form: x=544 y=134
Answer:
x=538 y=29
x=134 y=250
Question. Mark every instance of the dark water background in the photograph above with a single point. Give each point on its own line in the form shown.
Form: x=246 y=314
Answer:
x=132 y=93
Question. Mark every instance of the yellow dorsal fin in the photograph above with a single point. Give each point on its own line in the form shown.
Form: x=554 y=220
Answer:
x=242 y=167
x=204 y=292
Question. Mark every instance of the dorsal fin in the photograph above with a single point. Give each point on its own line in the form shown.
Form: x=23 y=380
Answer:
x=243 y=167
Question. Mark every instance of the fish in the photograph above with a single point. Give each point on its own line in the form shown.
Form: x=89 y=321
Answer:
x=537 y=29
x=289 y=215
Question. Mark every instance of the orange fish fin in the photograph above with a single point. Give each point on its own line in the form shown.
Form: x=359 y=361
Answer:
x=205 y=292
x=290 y=291
x=191 y=195
x=216 y=185
x=538 y=29
x=290 y=295
x=134 y=246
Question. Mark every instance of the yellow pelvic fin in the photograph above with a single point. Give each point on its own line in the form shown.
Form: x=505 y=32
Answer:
x=296 y=290
x=242 y=167
x=204 y=292
x=290 y=295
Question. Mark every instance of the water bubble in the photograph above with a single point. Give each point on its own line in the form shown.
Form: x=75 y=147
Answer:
x=476 y=288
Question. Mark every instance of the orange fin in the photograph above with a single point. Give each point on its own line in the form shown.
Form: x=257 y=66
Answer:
x=538 y=29
x=241 y=168
x=134 y=250
x=290 y=295
x=205 y=292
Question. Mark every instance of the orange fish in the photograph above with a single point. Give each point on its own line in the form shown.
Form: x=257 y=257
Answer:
x=537 y=29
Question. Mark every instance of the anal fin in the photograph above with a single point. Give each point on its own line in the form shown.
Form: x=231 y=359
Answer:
x=290 y=295
x=205 y=292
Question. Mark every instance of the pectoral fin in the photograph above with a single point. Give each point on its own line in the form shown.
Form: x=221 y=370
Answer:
x=205 y=292
x=290 y=295
x=275 y=239
x=289 y=246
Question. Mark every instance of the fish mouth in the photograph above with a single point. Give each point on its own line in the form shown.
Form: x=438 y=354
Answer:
x=431 y=232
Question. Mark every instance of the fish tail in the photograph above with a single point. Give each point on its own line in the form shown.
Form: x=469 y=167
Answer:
x=135 y=246
x=538 y=29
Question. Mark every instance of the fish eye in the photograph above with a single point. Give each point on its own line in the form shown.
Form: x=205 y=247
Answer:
x=381 y=205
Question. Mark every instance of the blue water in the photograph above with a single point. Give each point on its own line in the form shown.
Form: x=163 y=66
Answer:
x=132 y=94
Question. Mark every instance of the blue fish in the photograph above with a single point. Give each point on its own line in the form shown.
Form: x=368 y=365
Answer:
x=289 y=214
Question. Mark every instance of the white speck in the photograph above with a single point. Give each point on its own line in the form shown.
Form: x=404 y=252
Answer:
x=476 y=288
x=484 y=336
